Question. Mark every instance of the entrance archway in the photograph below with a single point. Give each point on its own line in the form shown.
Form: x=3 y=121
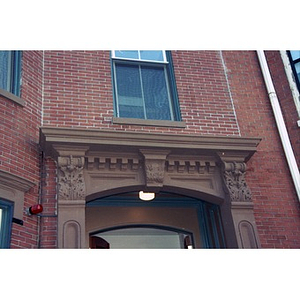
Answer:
x=93 y=164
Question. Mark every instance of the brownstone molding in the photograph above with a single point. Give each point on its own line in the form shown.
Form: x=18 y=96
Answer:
x=94 y=163
x=13 y=188
x=239 y=195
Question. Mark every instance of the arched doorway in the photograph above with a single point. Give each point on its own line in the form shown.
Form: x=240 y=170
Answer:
x=93 y=164
x=169 y=221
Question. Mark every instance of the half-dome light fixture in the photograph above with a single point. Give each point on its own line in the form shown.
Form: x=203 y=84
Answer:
x=146 y=196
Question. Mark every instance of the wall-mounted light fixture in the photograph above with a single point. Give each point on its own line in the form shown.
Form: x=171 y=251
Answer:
x=35 y=209
x=145 y=196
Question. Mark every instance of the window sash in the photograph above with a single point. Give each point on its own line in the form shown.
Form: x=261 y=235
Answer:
x=169 y=80
x=138 y=55
x=6 y=216
x=10 y=69
x=294 y=57
x=5 y=70
x=1 y=212
x=297 y=69
x=145 y=112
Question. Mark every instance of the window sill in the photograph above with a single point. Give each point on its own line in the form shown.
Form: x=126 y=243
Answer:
x=142 y=122
x=12 y=97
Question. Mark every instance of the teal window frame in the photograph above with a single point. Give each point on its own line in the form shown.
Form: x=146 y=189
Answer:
x=295 y=61
x=12 y=76
x=167 y=63
x=6 y=219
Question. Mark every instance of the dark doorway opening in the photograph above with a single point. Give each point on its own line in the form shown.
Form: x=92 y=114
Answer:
x=168 y=221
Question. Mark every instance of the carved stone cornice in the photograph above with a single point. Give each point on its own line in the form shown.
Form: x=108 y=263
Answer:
x=113 y=161
x=190 y=165
x=132 y=140
x=156 y=154
x=71 y=185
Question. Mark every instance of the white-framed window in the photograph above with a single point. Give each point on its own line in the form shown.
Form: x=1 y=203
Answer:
x=144 y=85
x=10 y=71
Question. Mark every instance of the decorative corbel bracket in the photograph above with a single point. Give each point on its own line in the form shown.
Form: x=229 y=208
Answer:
x=71 y=185
x=155 y=161
x=234 y=177
x=234 y=171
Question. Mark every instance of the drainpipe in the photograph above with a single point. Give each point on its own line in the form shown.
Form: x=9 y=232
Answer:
x=290 y=157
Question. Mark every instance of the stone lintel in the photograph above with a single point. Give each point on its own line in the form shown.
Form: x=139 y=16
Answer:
x=115 y=139
x=13 y=188
x=15 y=182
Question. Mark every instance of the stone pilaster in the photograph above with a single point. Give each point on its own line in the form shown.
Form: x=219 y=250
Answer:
x=239 y=196
x=71 y=198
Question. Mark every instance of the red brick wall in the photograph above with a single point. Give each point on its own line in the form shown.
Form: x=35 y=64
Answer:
x=78 y=92
x=78 y=89
x=286 y=100
x=276 y=206
x=19 y=137
x=48 y=230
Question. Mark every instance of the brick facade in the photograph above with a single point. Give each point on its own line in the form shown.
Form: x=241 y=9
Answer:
x=19 y=141
x=276 y=205
x=221 y=93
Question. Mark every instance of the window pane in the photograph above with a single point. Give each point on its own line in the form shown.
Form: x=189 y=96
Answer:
x=0 y=219
x=297 y=67
x=129 y=92
x=4 y=69
x=295 y=54
x=6 y=214
x=127 y=54
x=152 y=55
x=156 y=93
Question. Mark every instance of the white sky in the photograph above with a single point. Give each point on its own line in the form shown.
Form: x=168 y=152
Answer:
x=156 y=24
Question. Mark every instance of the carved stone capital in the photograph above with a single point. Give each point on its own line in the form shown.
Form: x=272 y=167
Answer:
x=71 y=185
x=155 y=161
x=235 y=183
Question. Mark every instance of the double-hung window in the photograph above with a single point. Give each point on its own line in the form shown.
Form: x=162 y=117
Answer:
x=144 y=85
x=295 y=64
x=6 y=216
x=10 y=70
